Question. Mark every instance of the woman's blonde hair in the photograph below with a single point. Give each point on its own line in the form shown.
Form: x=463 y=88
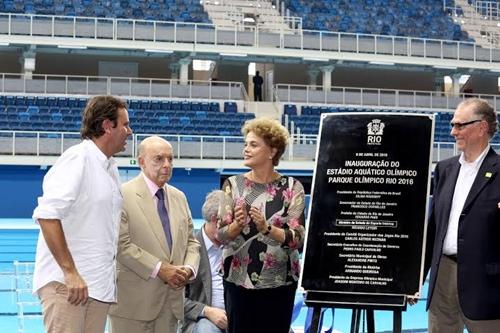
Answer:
x=271 y=131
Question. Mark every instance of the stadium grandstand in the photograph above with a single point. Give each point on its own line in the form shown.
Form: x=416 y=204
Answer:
x=185 y=69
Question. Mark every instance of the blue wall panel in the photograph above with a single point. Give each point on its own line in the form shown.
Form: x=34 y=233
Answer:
x=196 y=183
x=22 y=185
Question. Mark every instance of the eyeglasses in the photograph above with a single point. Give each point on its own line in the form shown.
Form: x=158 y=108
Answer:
x=460 y=126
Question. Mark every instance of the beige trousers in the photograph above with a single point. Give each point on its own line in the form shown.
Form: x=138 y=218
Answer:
x=165 y=323
x=445 y=314
x=61 y=317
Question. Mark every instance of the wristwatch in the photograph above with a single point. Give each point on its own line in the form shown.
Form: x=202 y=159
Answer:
x=267 y=230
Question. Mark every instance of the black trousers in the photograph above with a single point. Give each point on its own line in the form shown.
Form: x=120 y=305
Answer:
x=257 y=95
x=259 y=310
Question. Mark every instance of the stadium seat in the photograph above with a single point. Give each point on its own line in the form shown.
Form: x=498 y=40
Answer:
x=425 y=18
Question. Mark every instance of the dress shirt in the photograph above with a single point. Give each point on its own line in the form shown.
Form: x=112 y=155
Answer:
x=82 y=190
x=466 y=176
x=215 y=259
x=153 y=188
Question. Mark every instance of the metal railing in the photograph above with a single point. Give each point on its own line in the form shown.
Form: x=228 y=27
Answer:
x=87 y=30
x=301 y=148
x=310 y=94
x=489 y=10
x=28 y=306
x=140 y=87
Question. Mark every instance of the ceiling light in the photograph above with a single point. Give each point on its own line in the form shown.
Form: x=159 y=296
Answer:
x=234 y=54
x=77 y=47
x=159 y=51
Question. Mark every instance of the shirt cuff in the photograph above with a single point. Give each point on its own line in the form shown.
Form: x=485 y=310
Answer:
x=154 y=273
x=202 y=313
x=192 y=270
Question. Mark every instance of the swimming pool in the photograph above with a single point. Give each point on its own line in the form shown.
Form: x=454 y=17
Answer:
x=18 y=243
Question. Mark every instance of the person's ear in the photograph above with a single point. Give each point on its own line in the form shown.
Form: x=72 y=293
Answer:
x=107 y=125
x=273 y=152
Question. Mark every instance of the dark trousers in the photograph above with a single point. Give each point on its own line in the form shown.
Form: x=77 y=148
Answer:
x=259 y=310
x=257 y=95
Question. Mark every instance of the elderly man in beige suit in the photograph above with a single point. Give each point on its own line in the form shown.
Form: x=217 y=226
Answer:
x=157 y=253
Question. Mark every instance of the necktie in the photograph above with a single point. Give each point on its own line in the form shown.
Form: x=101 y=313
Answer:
x=162 y=212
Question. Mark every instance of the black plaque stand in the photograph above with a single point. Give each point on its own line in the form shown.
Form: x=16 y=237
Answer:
x=357 y=313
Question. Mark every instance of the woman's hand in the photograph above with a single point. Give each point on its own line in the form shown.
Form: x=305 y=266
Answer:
x=240 y=216
x=258 y=219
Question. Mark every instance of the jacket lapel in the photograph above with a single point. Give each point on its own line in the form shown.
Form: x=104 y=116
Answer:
x=207 y=272
x=486 y=173
x=448 y=190
x=148 y=207
x=174 y=227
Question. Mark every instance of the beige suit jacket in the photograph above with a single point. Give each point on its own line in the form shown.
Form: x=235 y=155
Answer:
x=142 y=244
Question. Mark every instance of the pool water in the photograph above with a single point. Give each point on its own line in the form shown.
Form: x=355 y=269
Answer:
x=18 y=243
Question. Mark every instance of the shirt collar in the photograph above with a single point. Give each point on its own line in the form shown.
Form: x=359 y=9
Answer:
x=208 y=242
x=477 y=162
x=103 y=159
x=153 y=188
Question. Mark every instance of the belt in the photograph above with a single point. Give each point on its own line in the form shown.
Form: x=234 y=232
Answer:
x=451 y=257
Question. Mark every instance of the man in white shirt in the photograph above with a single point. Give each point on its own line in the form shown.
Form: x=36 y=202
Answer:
x=204 y=310
x=157 y=251
x=464 y=228
x=79 y=214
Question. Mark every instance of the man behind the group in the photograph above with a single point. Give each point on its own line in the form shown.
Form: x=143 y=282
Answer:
x=204 y=306
x=464 y=228
x=157 y=253
x=257 y=86
x=79 y=214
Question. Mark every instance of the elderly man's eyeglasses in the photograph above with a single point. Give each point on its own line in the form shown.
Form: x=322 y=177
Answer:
x=460 y=126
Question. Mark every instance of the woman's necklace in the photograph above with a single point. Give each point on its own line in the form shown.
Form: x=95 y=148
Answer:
x=266 y=180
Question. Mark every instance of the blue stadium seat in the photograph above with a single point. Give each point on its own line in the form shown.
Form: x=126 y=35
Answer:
x=23 y=116
x=10 y=100
x=57 y=117
x=424 y=18
x=201 y=115
x=41 y=101
x=290 y=109
x=214 y=106
x=195 y=106
x=186 y=106
x=230 y=107
x=204 y=106
x=164 y=120
x=155 y=105
x=62 y=102
x=52 y=101
x=175 y=105
x=134 y=104
x=82 y=102
x=20 y=100
x=145 y=104
x=165 y=105
x=30 y=100
x=72 y=102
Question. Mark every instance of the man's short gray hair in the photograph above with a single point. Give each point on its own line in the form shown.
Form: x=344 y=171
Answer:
x=212 y=203
x=485 y=111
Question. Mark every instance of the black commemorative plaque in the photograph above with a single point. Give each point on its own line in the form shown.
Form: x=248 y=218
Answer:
x=366 y=227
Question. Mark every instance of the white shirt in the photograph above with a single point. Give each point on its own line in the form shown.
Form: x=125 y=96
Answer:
x=215 y=259
x=82 y=190
x=466 y=176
